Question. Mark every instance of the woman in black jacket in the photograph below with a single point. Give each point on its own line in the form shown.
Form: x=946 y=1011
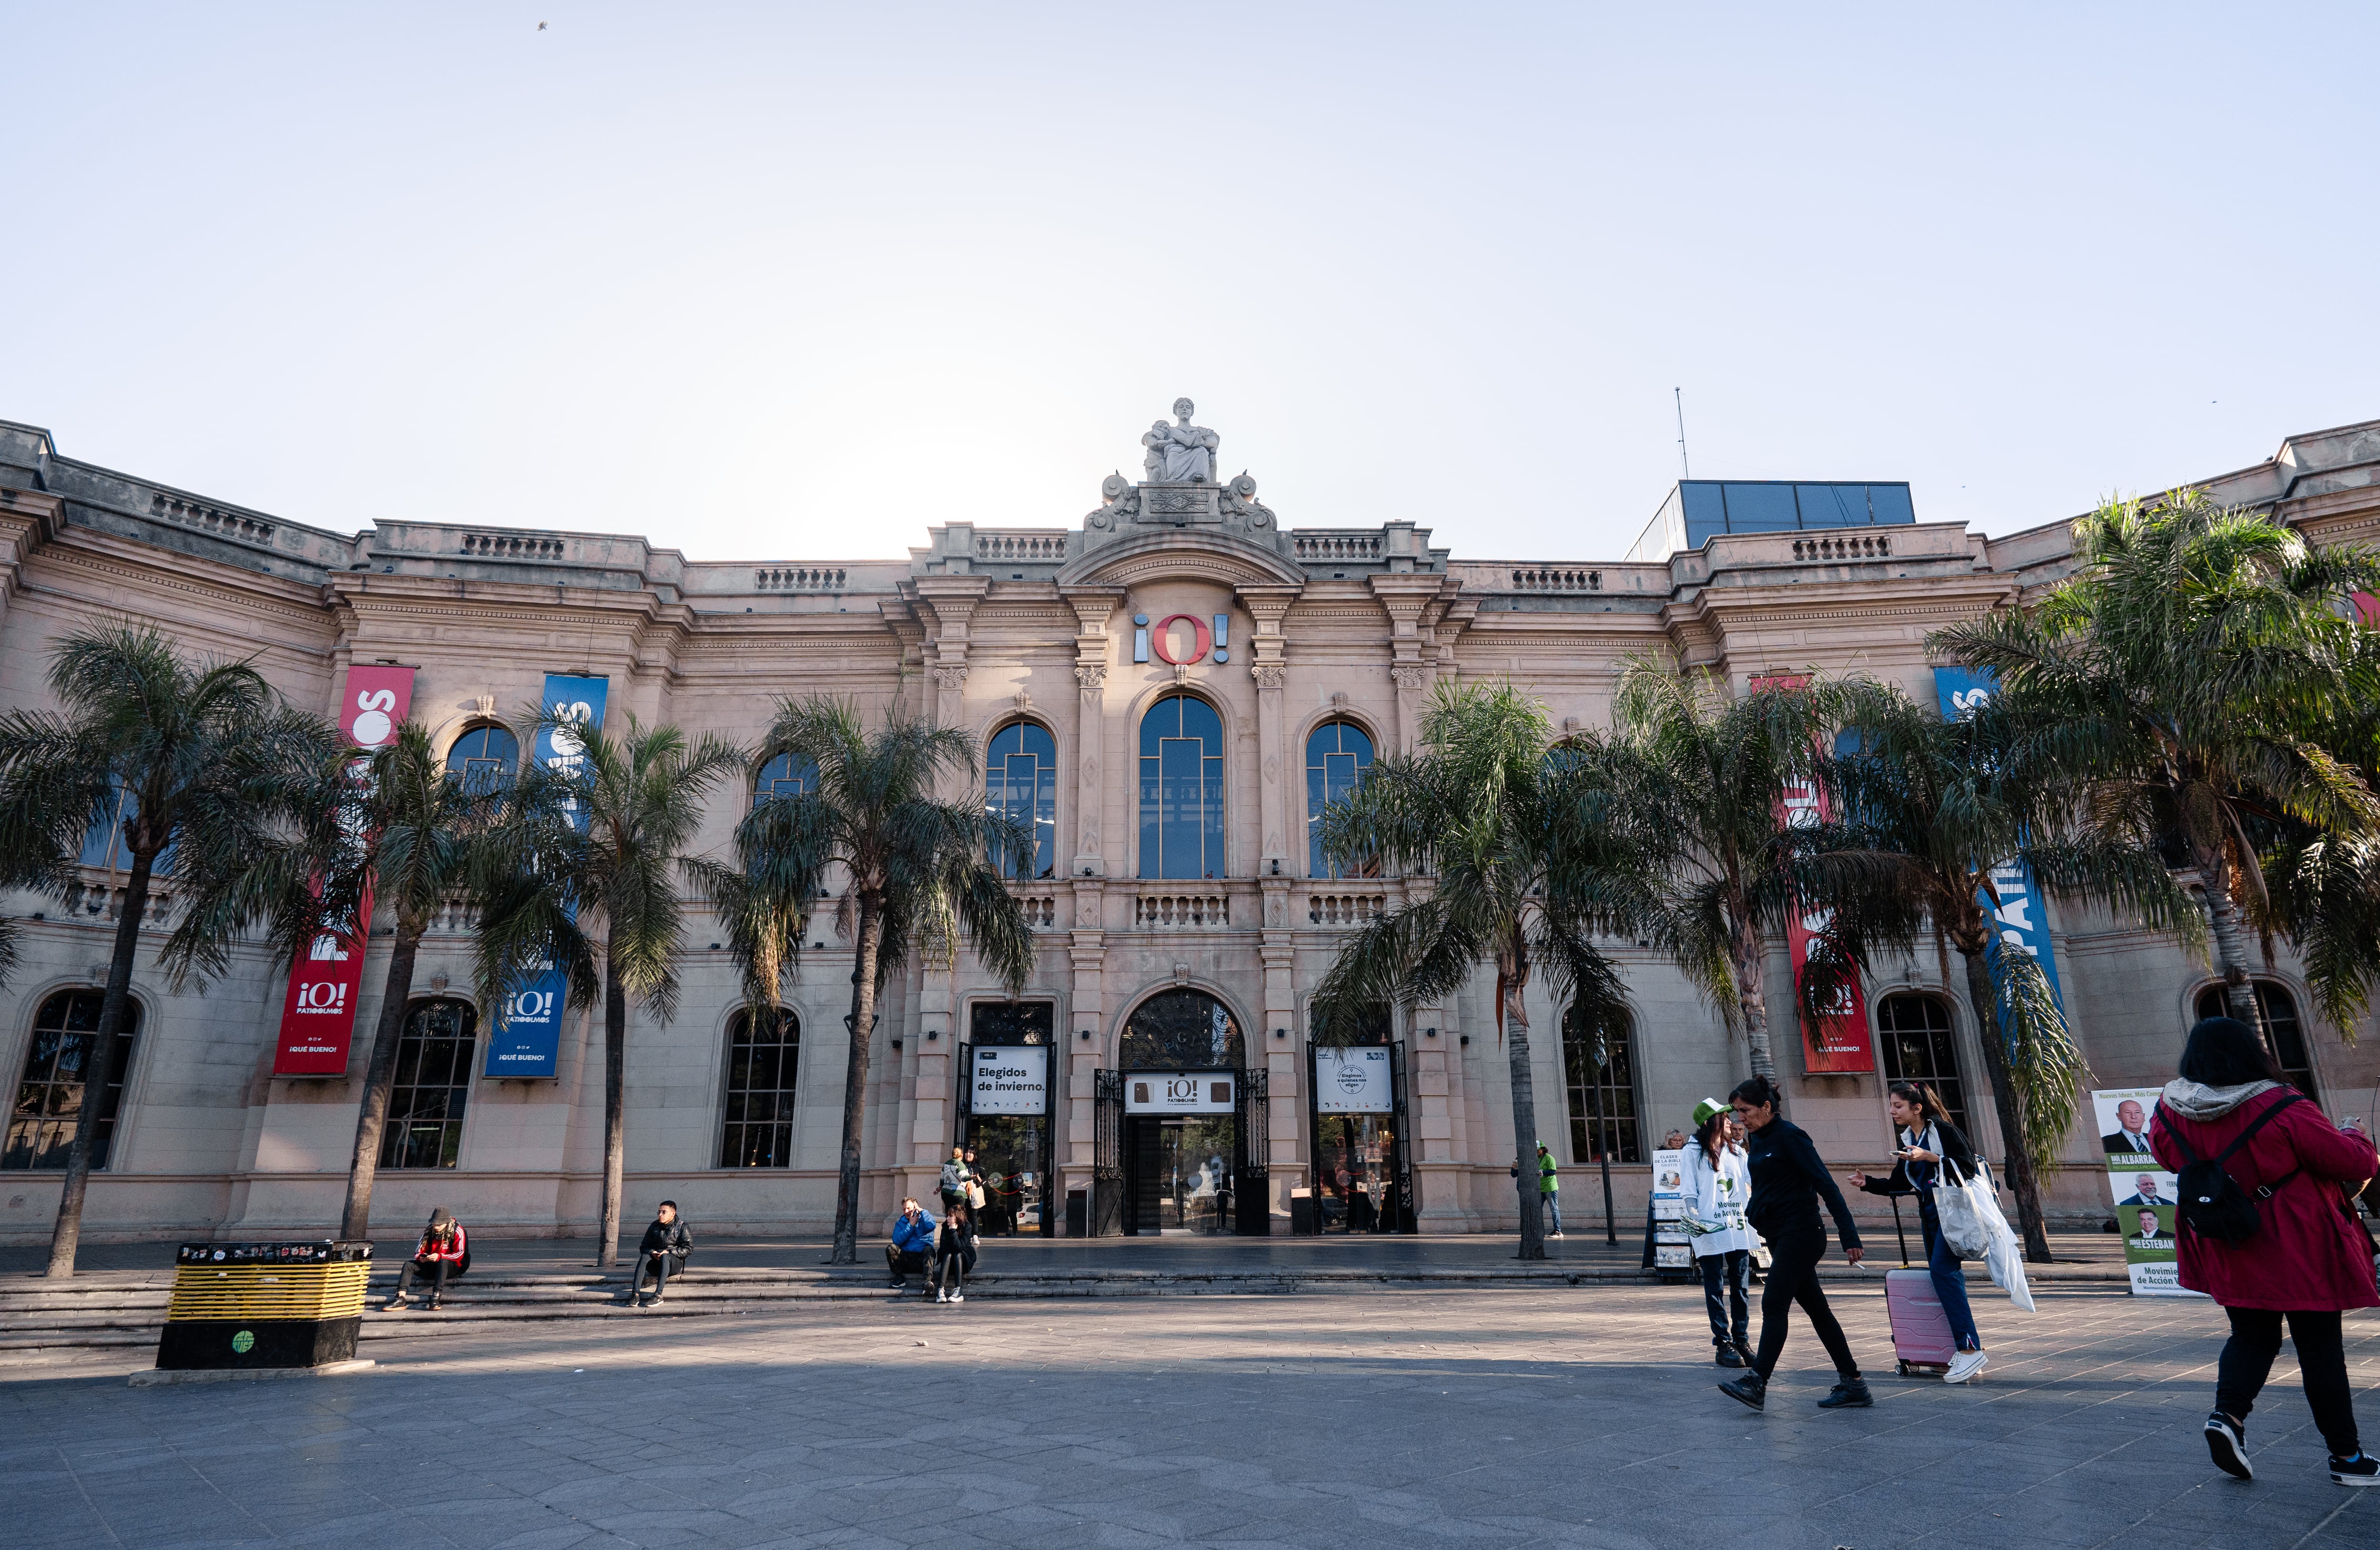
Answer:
x=953 y=1256
x=1788 y=1182
x=1926 y=1138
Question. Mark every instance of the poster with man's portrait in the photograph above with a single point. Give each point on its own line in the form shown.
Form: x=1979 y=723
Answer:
x=2123 y=1116
x=2143 y=1192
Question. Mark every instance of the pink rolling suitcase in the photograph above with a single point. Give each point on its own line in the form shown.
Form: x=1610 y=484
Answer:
x=1921 y=1331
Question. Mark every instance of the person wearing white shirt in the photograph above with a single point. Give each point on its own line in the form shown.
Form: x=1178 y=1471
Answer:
x=1716 y=1185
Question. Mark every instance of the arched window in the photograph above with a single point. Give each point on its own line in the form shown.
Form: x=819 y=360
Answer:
x=103 y=840
x=1021 y=774
x=1915 y=1032
x=785 y=774
x=1602 y=1094
x=1181 y=1031
x=2276 y=1020
x=433 y=1081
x=1336 y=757
x=763 y=1056
x=1181 y=789
x=484 y=759
x=49 y=1098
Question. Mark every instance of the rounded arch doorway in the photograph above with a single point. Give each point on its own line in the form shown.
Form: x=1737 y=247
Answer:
x=1187 y=1118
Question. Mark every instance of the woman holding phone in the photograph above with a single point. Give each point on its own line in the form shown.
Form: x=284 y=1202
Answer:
x=1927 y=1137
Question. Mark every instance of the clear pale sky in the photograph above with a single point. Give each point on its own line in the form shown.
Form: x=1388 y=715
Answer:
x=793 y=283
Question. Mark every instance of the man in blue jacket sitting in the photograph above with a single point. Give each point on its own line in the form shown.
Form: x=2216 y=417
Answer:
x=913 y=1240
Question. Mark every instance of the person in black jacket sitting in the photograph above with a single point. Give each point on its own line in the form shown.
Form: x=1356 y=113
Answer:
x=1788 y=1182
x=665 y=1246
x=1927 y=1137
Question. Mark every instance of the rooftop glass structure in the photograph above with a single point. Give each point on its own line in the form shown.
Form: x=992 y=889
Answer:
x=1698 y=509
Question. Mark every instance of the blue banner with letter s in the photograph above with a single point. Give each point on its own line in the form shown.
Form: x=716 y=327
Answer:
x=2021 y=922
x=527 y=1038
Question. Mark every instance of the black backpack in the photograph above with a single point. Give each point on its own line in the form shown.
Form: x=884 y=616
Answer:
x=2212 y=1202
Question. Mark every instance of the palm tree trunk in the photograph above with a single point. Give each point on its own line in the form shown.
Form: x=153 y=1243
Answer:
x=1750 y=954
x=1525 y=1113
x=2018 y=1165
x=854 y=1085
x=371 y=1118
x=615 y=1087
x=2230 y=942
x=118 y=999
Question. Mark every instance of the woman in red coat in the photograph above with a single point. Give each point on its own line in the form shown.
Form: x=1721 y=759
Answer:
x=2308 y=1260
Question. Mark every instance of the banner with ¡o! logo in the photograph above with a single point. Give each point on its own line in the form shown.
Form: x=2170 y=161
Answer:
x=525 y=1035
x=318 y=1016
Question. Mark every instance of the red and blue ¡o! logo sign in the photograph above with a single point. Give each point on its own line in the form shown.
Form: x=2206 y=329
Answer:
x=1160 y=638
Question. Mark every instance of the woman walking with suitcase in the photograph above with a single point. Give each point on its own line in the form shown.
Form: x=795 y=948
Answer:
x=1789 y=1178
x=1716 y=1186
x=1927 y=1138
x=2265 y=1231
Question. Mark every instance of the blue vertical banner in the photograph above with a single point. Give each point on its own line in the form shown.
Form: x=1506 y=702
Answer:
x=526 y=1041
x=2023 y=925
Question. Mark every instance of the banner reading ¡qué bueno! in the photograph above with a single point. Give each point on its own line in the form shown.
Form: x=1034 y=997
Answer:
x=525 y=1040
x=318 y=1017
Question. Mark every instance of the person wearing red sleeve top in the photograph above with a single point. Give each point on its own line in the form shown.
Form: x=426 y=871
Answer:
x=2309 y=1260
x=444 y=1250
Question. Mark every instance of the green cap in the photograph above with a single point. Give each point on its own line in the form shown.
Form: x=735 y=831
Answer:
x=1708 y=1106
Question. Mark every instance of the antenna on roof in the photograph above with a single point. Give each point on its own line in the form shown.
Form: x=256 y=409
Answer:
x=1685 y=470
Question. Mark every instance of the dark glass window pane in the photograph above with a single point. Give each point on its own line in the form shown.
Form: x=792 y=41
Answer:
x=787 y=774
x=2276 y=1020
x=1760 y=508
x=1890 y=503
x=1010 y=1022
x=1180 y=1030
x=1915 y=1034
x=1337 y=756
x=1021 y=779
x=432 y=1085
x=763 y=1060
x=1832 y=506
x=48 y=1109
x=1603 y=1119
x=483 y=758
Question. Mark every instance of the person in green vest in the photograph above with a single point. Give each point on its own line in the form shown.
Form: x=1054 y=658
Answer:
x=1550 y=1187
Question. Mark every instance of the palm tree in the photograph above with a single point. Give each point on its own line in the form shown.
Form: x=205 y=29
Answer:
x=582 y=871
x=202 y=769
x=1932 y=810
x=402 y=834
x=1513 y=834
x=2185 y=675
x=1699 y=779
x=917 y=874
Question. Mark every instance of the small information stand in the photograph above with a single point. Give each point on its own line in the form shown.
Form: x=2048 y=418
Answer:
x=256 y=1305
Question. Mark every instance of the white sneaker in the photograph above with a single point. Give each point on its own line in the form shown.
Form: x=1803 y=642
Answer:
x=958 y=1296
x=941 y=1297
x=1554 y=1235
x=1966 y=1365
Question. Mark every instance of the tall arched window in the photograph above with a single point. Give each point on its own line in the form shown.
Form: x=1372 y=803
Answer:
x=784 y=774
x=433 y=1082
x=2276 y=1020
x=1181 y=1031
x=1915 y=1032
x=1181 y=789
x=1602 y=1094
x=1021 y=775
x=1336 y=757
x=483 y=759
x=49 y=1097
x=763 y=1056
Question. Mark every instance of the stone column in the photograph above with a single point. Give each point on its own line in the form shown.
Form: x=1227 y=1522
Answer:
x=1094 y=607
x=1431 y=1109
x=1079 y=1057
x=1405 y=599
x=1280 y=766
x=1285 y=1079
x=951 y=600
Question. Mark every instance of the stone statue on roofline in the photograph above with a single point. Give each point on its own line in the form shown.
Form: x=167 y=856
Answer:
x=1179 y=453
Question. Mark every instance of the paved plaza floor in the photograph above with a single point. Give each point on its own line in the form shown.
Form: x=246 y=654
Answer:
x=1582 y=1416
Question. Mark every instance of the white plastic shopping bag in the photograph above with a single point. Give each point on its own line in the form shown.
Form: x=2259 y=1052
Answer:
x=2004 y=1258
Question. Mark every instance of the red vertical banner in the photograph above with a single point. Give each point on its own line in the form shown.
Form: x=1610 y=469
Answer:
x=1844 y=1045
x=317 y=1018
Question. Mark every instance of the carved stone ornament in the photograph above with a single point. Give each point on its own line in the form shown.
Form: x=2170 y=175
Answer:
x=1337 y=698
x=1091 y=674
x=950 y=678
x=1409 y=676
x=1182 y=672
x=1181 y=973
x=485 y=704
x=1024 y=701
x=1183 y=453
x=1239 y=499
x=1121 y=503
x=1270 y=675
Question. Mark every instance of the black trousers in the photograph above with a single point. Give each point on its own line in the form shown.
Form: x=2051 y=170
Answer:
x=900 y=1262
x=2322 y=1361
x=1793 y=1277
x=1723 y=1295
x=658 y=1266
x=436 y=1270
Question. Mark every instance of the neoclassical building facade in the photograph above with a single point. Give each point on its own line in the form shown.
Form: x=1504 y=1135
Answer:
x=1168 y=688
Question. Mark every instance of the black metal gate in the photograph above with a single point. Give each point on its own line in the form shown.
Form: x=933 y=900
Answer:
x=1400 y=1211
x=1106 y=1153
x=1252 y=1186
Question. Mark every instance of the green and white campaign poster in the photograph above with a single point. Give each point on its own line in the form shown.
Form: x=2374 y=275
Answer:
x=2140 y=1189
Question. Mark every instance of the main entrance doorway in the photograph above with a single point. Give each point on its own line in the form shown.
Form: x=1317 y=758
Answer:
x=1182 y=1133
x=1006 y=1074
x=1363 y=1168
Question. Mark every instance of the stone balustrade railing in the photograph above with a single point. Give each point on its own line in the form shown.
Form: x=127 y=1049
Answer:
x=1184 y=911
x=1342 y=909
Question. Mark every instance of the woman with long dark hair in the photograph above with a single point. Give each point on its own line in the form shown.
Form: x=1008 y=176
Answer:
x=2307 y=1260
x=1927 y=1140
x=1716 y=1186
x=1788 y=1180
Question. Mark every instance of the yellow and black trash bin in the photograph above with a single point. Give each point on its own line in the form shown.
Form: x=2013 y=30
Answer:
x=264 y=1304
